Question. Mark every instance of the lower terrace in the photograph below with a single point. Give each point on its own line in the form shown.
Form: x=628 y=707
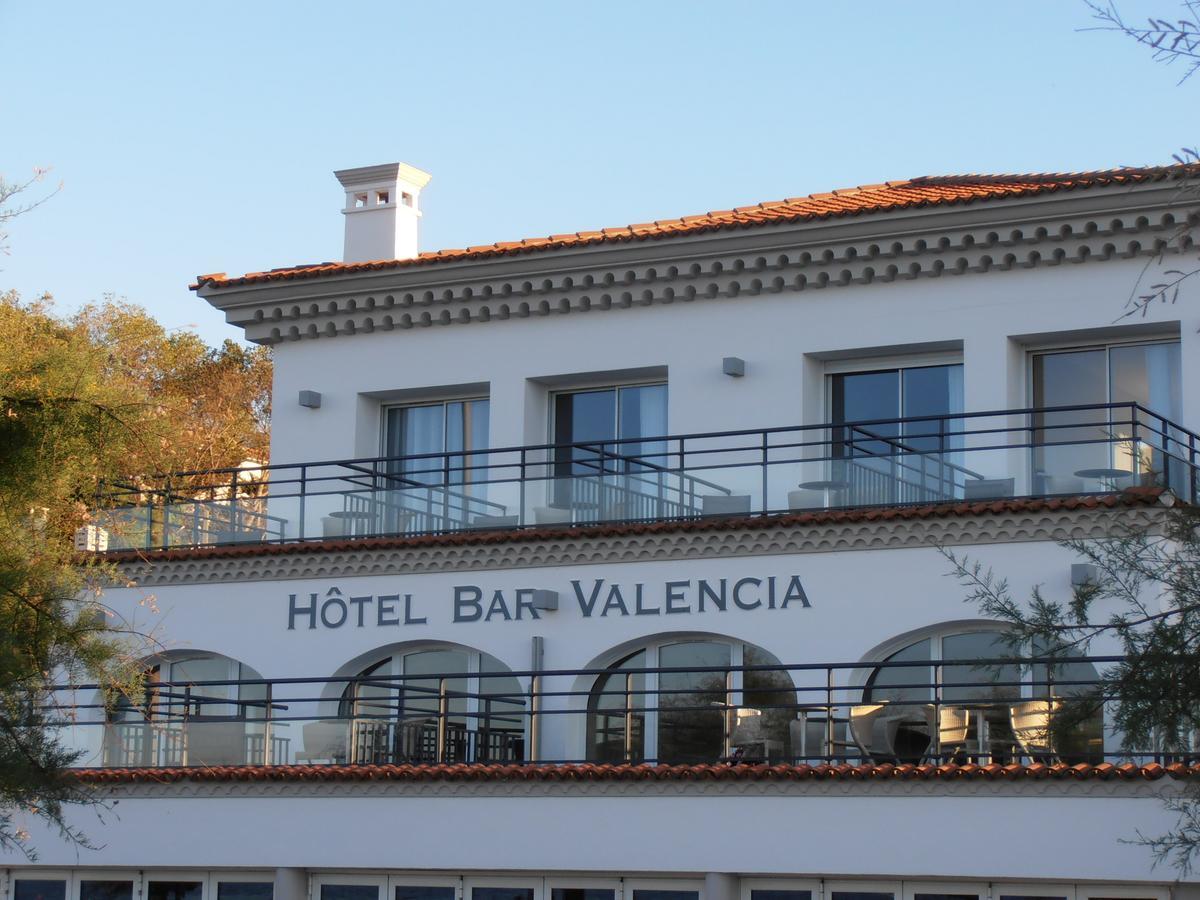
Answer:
x=974 y=710
x=1034 y=452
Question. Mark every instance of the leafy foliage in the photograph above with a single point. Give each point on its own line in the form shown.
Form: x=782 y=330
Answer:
x=1146 y=599
x=96 y=395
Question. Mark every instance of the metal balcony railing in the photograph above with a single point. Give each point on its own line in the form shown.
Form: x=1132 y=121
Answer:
x=1051 y=710
x=913 y=460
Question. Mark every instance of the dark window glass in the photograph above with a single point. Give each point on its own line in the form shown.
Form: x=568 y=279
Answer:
x=245 y=890
x=38 y=889
x=781 y=895
x=349 y=892
x=106 y=890
x=690 y=719
x=861 y=895
x=945 y=897
x=1030 y=897
x=666 y=895
x=173 y=890
x=582 y=894
x=903 y=683
x=498 y=893
x=415 y=892
x=607 y=714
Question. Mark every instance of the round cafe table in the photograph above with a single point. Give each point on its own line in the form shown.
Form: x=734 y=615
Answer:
x=1105 y=476
x=827 y=487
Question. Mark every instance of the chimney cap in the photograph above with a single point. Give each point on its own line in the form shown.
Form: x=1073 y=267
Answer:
x=396 y=171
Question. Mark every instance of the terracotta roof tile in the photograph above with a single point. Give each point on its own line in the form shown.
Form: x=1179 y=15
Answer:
x=864 y=200
x=595 y=772
x=1131 y=497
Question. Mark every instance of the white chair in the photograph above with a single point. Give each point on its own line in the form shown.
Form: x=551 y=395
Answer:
x=953 y=725
x=1031 y=723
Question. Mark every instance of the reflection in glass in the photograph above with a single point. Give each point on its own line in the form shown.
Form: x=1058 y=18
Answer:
x=39 y=889
x=349 y=892
x=245 y=890
x=416 y=892
x=617 y=733
x=174 y=890
x=773 y=695
x=904 y=683
x=666 y=895
x=781 y=895
x=691 y=726
x=105 y=890
x=945 y=897
x=979 y=682
x=597 y=475
x=898 y=461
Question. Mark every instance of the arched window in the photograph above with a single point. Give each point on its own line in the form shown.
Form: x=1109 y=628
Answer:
x=195 y=710
x=695 y=705
x=955 y=695
x=397 y=704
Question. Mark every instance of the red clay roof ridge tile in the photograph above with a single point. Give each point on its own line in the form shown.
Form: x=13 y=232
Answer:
x=594 y=772
x=924 y=191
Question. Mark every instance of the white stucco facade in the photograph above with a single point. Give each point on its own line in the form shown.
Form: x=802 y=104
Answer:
x=984 y=286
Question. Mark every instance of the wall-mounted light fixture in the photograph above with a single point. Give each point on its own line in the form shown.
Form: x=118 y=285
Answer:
x=1084 y=574
x=733 y=366
x=547 y=600
x=310 y=399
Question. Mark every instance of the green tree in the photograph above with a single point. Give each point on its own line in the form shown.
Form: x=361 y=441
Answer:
x=85 y=399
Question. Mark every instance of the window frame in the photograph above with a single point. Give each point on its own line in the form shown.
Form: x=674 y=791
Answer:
x=172 y=874
x=470 y=882
x=316 y=881
x=1026 y=889
x=138 y=877
x=217 y=876
x=980 y=889
x=629 y=885
x=616 y=387
x=813 y=885
x=416 y=879
x=1107 y=346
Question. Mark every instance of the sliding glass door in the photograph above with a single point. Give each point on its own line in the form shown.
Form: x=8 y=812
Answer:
x=602 y=466
x=433 y=478
x=897 y=432
x=1088 y=446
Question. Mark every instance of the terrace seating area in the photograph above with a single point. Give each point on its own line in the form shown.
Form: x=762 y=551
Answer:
x=971 y=457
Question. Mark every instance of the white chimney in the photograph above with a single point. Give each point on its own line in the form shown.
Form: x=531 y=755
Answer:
x=382 y=211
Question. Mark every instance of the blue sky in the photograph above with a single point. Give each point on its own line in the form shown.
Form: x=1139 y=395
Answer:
x=201 y=137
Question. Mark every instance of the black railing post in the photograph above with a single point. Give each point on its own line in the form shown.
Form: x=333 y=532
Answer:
x=829 y=729
x=303 y=493
x=521 y=520
x=166 y=517
x=765 y=480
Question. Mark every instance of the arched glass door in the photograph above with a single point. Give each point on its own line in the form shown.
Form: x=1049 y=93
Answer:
x=694 y=706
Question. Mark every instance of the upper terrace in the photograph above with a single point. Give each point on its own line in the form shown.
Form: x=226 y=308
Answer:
x=912 y=460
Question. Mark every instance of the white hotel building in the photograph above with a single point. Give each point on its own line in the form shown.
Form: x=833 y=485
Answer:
x=607 y=566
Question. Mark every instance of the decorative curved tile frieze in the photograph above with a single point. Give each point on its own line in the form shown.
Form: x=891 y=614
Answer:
x=579 y=548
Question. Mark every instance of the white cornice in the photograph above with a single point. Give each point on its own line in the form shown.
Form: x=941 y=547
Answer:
x=1084 y=226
